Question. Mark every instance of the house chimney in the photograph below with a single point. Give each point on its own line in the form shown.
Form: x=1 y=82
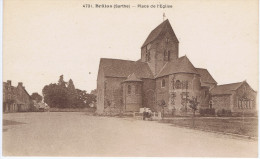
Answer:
x=9 y=82
x=20 y=83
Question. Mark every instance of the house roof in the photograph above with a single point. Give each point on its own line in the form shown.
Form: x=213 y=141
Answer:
x=123 y=68
x=205 y=76
x=225 y=89
x=132 y=78
x=159 y=31
x=181 y=65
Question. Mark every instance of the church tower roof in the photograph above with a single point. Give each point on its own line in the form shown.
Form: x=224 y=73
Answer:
x=159 y=31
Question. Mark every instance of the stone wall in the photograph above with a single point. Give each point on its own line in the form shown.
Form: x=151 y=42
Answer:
x=148 y=93
x=100 y=91
x=113 y=94
x=162 y=93
x=132 y=96
x=220 y=102
x=178 y=91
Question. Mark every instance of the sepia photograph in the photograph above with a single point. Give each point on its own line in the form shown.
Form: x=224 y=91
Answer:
x=130 y=78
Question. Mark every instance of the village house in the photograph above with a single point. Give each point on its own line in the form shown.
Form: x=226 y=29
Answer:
x=161 y=76
x=15 y=99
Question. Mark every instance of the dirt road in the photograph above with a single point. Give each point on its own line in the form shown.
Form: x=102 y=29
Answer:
x=77 y=134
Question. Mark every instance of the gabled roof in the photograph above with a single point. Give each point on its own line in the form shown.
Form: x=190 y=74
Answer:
x=225 y=89
x=123 y=68
x=159 y=31
x=181 y=65
x=205 y=76
x=132 y=78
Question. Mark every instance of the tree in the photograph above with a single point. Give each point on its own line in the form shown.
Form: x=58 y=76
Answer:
x=194 y=106
x=72 y=94
x=56 y=96
x=37 y=97
x=94 y=91
x=60 y=96
x=61 y=81
x=71 y=86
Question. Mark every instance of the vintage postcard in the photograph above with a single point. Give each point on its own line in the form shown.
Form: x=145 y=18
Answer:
x=121 y=78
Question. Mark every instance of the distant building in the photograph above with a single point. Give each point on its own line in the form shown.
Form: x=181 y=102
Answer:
x=15 y=99
x=161 y=76
x=237 y=97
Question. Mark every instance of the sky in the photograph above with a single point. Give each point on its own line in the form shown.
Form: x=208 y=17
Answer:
x=43 y=39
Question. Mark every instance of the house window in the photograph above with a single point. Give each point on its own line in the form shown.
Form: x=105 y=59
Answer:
x=178 y=84
x=129 y=89
x=9 y=96
x=163 y=83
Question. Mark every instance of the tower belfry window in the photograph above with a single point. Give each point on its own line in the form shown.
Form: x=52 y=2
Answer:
x=167 y=40
x=148 y=58
x=165 y=55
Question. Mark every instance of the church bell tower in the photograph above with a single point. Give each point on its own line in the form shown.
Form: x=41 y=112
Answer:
x=160 y=47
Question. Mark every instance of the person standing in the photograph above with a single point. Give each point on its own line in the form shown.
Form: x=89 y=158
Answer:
x=144 y=113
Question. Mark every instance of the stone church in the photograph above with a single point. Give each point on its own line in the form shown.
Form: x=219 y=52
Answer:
x=163 y=79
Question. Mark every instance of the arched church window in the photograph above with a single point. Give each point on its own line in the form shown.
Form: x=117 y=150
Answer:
x=173 y=83
x=163 y=83
x=136 y=89
x=129 y=89
x=178 y=84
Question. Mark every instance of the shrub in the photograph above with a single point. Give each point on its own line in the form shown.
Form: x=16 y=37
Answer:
x=207 y=111
x=224 y=113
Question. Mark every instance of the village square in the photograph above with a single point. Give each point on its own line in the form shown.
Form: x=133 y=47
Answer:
x=164 y=103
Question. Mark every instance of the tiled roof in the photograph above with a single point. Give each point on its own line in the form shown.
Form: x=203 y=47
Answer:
x=205 y=76
x=123 y=68
x=160 y=30
x=225 y=89
x=132 y=78
x=181 y=65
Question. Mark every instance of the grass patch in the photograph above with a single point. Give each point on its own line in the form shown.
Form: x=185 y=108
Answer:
x=225 y=125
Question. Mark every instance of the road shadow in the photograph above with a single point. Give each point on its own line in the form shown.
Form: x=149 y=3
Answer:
x=11 y=122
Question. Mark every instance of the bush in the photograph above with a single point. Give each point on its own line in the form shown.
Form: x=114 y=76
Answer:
x=224 y=113
x=207 y=111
